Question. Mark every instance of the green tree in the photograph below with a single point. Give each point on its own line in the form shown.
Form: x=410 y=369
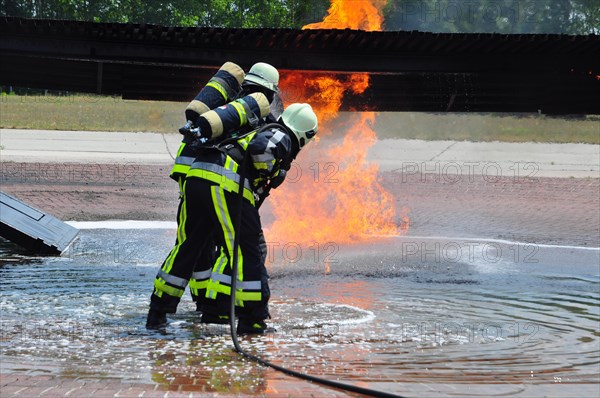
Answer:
x=452 y=16
x=217 y=13
x=585 y=18
x=494 y=16
x=262 y=13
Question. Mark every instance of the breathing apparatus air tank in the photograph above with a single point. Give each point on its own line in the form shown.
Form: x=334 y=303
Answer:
x=230 y=118
x=223 y=87
x=220 y=89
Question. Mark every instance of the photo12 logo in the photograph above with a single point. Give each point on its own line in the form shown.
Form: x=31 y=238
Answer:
x=467 y=172
x=459 y=332
x=54 y=173
x=468 y=252
x=317 y=172
x=71 y=331
x=292 y=252
x=123 y=252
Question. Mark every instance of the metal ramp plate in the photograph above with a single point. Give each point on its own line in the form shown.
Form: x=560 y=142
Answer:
x=33 y=229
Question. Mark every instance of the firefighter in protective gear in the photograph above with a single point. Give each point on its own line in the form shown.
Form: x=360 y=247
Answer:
x=212 y=202
x=229 y=83
x=213 y=124
x=222 y=88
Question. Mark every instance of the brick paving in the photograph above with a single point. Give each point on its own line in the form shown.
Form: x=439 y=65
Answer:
x=542 y=210
x=23 y=385
x=93 y=192
x=564 y=211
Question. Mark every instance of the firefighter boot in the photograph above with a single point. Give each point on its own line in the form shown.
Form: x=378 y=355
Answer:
x=249 y=326
x=156 y=320
x=215 y=319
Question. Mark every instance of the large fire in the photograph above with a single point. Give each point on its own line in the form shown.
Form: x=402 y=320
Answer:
x=332 y=193
x=353 y=14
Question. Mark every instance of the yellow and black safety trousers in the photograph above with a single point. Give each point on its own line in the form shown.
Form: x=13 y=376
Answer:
x=205 y=281
x=197 y=283
x=208 y=211
x=185 y=158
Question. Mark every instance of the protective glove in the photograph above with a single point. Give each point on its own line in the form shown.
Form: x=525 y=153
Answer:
x=273 y=183
x=278 y=179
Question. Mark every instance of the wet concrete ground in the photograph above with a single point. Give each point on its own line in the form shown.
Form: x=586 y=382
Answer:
x=476 y=322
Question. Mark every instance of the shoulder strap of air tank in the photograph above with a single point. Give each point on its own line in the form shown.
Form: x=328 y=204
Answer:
x=232 y=147
x=231 y=93
x=268 y=126
x=232 y=140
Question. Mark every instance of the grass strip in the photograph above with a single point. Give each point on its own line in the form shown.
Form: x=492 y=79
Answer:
x=104 y=113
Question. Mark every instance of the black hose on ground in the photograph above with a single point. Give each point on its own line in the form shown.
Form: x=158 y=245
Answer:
x=234 y=337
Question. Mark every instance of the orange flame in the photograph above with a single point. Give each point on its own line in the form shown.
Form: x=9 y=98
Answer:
x=353 y=14
x=332 y=193
x=324 y=92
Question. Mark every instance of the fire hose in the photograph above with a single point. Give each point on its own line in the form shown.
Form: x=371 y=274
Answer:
x=234 y=337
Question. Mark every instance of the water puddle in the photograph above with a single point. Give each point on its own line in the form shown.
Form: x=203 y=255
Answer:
x=387 y=314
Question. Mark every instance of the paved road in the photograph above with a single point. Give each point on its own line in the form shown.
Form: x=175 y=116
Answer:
x=412 y=156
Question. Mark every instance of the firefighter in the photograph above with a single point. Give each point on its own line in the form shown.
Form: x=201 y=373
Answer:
x=211 y=189
x=213 y=124
x=228 y=84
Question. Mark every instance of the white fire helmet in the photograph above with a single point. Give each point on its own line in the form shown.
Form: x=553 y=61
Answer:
x=264 y=75
x=301 y=119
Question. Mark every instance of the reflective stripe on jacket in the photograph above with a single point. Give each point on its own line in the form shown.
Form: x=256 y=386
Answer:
x=183 y=161
x=269 y=149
